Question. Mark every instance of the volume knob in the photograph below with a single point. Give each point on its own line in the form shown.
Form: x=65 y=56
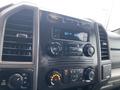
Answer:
x=54 y=49
x=88 y=50
x=15 y=81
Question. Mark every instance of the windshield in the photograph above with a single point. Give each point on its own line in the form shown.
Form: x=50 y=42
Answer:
x=105 y=12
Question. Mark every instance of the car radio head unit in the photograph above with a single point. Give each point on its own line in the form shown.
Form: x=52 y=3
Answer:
x=68 y=52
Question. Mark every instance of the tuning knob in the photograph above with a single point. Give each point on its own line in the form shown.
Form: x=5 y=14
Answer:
x=55 y=78
x=54 y=48
x=89 y=74
x=15 y=81
x=88 y=50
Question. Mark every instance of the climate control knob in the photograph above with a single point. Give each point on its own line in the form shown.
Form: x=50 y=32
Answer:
x=15 y=81
x=55 y=78
x=89 y=74
x=54 y=48
x=88 y=50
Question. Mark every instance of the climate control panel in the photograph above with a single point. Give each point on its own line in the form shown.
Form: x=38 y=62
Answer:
x=16 y=79
x=68 y=76
x=70 y=54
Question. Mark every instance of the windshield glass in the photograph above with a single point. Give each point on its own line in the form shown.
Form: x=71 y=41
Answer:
x=105 y=12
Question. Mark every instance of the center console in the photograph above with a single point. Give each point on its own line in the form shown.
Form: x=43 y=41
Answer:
x=69 y=54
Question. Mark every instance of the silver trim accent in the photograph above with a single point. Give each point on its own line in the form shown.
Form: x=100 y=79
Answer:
x=35 y=78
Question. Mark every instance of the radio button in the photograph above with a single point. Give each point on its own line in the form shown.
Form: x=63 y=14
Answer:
x=66 y=76
x=80 y=51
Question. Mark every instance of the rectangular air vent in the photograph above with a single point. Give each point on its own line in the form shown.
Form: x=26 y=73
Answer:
x=17 y=44
x=103 y=44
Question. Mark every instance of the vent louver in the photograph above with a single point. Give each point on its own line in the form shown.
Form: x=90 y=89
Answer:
x=104 y=44
x=17 y=44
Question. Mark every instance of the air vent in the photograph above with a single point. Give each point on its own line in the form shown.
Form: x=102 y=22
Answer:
x=17 y=45
x=104 y=44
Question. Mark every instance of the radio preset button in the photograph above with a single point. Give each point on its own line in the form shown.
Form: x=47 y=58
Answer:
x=80 y=51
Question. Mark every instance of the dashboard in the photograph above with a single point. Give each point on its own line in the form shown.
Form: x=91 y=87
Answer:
x=42 y=50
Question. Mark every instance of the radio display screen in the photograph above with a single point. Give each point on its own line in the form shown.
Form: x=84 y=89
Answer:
x=66 y=34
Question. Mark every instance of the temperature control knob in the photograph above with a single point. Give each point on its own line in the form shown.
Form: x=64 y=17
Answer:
x=89 y=74
x=88 y=50
x=54 y=48
x=15 y=81
x=55 y=78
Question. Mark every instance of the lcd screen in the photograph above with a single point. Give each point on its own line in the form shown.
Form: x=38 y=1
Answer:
x=77 y=35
